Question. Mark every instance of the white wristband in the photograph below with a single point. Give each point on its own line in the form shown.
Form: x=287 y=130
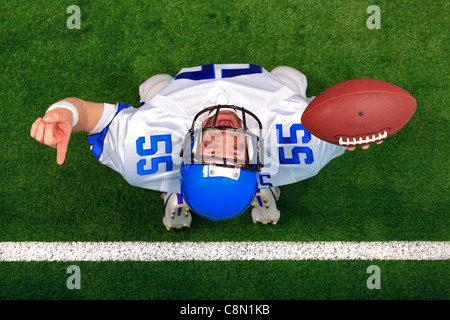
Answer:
x=68 y=106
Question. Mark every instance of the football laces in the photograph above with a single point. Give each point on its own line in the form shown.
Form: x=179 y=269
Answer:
x=348 y=141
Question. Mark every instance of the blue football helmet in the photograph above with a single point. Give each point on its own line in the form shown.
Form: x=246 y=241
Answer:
x=222 y=157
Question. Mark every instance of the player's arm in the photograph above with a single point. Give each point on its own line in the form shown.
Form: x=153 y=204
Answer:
x=55 y=128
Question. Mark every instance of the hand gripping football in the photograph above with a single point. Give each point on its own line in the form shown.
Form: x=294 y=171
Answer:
x=359 y=112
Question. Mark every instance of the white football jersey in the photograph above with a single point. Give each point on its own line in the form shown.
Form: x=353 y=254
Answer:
x=143 y=144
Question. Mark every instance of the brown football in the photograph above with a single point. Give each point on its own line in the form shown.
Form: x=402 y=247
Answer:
x=359 y=112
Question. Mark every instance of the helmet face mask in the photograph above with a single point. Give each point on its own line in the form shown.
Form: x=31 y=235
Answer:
x=208 y=142
x=222 y=155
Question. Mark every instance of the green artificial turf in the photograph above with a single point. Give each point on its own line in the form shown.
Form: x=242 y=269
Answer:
x=244 y=280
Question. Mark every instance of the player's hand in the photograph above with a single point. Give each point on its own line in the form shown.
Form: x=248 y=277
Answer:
x=54 y=130
x=365 y=146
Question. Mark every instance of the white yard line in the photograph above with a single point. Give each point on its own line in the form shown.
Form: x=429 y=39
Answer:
x=223 y=251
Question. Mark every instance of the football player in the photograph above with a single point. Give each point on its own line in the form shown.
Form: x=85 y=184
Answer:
x=214 y=139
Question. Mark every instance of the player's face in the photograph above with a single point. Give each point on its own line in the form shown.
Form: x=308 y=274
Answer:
x=224 y=143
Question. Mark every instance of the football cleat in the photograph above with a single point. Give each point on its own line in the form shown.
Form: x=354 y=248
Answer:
x=177 y=214
x=264 y=206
